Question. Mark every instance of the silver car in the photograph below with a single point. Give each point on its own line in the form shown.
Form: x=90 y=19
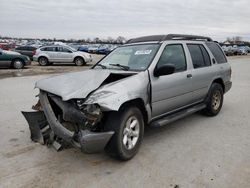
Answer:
x=150 y=81
x=47 y=55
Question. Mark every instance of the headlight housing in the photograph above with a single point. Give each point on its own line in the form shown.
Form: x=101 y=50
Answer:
x=92 y=112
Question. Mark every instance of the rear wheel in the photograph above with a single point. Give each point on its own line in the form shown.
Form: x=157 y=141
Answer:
x=43 y=61
x=79 y=61
x=128 y=126
x=18 y=64
x=214 y=100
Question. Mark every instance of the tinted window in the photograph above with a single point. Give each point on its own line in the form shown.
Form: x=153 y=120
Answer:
x=199 y=55
x=206 y=56
x=173 y=54
x=217 y=52
x=49 y=49
x=31 y=48
x=62 y=49
x=25 y=48
x=19 y=48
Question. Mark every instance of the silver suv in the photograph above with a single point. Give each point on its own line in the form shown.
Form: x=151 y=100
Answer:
x=47 y=55
x=151 y=80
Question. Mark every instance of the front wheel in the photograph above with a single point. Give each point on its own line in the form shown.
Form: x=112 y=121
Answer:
x=79 y=61
x=128 y=126
x=18 y=64
x=43 y=61
x=214 y=100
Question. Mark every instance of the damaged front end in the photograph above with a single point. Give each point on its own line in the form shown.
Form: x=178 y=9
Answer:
x=65 y=124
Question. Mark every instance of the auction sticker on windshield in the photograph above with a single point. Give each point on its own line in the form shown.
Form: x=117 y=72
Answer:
x=143 y=52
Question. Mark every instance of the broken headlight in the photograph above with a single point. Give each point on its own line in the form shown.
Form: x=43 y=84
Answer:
x=92 y=112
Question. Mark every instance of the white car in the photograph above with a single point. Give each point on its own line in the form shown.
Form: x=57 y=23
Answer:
x=47 y=55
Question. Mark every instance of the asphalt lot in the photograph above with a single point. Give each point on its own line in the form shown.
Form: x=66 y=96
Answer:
x=35 y=69
x=193 y=152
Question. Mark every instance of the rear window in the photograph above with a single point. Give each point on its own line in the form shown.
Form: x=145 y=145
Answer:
x=217 y=52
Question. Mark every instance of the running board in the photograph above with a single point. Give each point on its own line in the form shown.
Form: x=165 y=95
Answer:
x=178 y=115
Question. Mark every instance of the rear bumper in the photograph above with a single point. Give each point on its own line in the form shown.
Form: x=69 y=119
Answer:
x=228 y=86
x=35 y=58
x=87 y=141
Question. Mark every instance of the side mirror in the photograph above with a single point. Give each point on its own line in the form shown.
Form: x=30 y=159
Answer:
x=164 y=70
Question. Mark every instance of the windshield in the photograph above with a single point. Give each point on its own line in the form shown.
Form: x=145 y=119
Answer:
x=72 y=49
x=134 y=57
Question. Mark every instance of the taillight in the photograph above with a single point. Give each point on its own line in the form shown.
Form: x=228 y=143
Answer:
x=34 y=52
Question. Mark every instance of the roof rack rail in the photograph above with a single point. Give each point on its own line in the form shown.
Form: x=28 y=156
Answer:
x=160 y=38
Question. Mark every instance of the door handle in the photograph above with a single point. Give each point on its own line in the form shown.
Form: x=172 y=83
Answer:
x=189 y=75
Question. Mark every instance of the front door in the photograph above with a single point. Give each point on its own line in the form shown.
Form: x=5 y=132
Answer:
x=5 y=59
x=64 y=54
x=173 y=91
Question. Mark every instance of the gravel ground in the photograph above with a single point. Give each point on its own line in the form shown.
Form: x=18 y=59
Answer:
x=193 y=152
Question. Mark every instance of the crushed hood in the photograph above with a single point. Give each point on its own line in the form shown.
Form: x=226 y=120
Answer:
x=75 y=85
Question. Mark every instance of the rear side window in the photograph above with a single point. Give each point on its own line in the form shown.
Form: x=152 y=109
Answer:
x=50 y=49
x=20 y=48
x=199 y=55
x=31 y=48
x=217 y=52
x=173 y=54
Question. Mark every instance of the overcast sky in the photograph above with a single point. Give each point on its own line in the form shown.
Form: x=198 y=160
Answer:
x=130 y=18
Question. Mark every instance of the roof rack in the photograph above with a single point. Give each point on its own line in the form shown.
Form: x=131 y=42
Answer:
x=160 y=38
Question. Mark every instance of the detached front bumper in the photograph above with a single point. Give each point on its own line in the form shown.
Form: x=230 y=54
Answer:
x=45 y=128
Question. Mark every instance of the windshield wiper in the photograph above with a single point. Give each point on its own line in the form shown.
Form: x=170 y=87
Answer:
x=103 y=66
x=124 y=67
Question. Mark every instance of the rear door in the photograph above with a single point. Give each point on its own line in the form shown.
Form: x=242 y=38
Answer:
x=203 y=71
x=52 y=53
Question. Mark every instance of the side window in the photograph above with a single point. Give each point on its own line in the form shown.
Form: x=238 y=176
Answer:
x=19 y=48
x=206 y=56
x=217 y=52
x=51 y=49
x=66 y=50
x=199 y=55
x=59 y=49
x=173 y=54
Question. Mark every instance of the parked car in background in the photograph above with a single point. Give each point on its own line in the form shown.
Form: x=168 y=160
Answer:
x=26 y=50
x=83 y=48
x=103 y=49
x=228 y=50
x=6 y=46
x=47 y=55
x=93 y=48
x=242 y=51
x=13 y=59
x=248 y=49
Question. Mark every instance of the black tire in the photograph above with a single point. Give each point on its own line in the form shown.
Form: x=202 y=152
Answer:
x=18 y=64
x=116 y=121
x=79 y=61
x=214 y=100
x=43 y=61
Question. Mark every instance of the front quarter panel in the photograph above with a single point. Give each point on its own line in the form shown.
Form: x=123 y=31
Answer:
x=110 y=97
